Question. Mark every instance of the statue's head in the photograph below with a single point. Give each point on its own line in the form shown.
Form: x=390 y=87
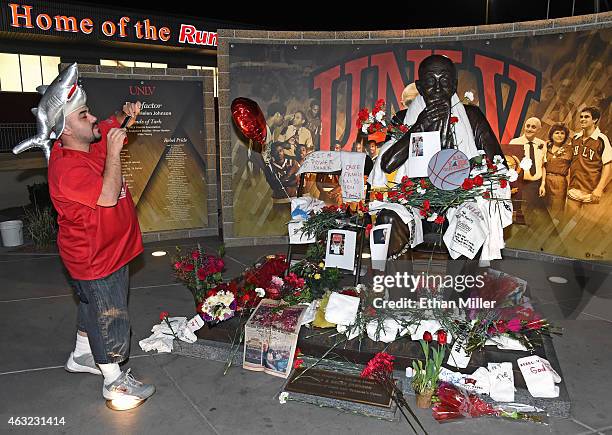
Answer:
x=437 y=78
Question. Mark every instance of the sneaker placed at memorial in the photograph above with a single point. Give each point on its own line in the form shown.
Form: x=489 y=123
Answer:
x=82 y=364
x=126 y=386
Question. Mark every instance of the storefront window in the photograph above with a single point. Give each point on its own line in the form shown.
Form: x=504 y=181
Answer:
x=10 y=75
x=24 y=72
x=129 y=63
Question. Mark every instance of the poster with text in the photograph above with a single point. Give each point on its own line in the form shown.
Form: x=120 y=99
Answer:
x=311 y=96
x=163 y=162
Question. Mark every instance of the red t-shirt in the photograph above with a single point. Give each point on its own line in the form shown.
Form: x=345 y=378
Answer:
x=93 y=241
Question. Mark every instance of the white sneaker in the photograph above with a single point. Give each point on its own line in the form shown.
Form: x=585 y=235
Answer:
x=126 y=386
x=82 y=364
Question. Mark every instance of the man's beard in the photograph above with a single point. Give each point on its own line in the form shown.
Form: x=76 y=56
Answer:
x=95 y=136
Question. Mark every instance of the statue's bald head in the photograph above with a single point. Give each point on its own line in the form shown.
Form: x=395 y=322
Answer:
x=437 y=78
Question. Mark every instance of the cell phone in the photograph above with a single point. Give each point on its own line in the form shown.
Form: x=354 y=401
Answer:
x=125 y=121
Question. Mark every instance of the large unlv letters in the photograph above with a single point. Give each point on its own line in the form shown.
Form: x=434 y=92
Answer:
x=506 y=118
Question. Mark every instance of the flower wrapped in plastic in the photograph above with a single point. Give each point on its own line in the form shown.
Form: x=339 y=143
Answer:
x=455 y=403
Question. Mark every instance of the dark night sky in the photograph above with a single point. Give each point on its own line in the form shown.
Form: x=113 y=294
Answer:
x=360 y=14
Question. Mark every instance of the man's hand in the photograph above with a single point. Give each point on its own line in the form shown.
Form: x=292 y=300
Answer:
x=133 y=110
x=596 y=195
x=115 y=139
x=542 y=190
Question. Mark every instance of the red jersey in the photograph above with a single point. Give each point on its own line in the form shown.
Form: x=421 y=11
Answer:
x=93 y=241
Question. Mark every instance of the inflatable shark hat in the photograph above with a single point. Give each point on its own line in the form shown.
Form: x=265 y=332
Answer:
x=59 y=99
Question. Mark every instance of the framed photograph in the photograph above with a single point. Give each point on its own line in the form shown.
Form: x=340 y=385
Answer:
x=379 y=245
x=340 y=252
x=423 y=146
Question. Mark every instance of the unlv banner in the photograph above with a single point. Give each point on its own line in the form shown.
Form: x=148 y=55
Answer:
x=526 y=86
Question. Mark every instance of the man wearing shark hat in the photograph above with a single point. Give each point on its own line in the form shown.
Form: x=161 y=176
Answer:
x=98 y=228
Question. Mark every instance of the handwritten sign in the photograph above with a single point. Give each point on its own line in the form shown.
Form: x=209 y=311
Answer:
x=351 y=178
x=321 y=161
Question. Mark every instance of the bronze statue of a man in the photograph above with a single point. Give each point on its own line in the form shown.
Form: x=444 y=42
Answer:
x=437 y=86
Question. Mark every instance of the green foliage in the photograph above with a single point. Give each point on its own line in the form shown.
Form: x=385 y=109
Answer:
x=426 y=375
x=41 y=226
x=319 y=224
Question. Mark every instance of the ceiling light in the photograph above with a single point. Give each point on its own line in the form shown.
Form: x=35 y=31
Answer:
x=159 y=253
x=557 y=279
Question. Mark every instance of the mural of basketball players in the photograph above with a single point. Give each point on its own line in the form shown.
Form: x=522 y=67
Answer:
x=314 y=122
x=372 y=149
x=590 y=167
x=275 y=121
x=297 y=131
x=534 y=149
x=358 y=147
x=300 y=155
x=285 y=184
x=554 y=176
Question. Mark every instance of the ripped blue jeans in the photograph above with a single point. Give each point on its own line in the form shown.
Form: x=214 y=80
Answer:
x=103 y=314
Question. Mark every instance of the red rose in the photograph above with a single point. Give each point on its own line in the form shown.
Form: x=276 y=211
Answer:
x=195 y=255
x=273 y=293
x=467 y=184
x=163 y=315
x=423 y=183
x=403 y=128
x=439 y=220
x=391 y=194
x=405 y=179
x=503 y=183
x=211 y=293
x=478 y=180
x=379 y=196
x=427 y=336
x=454 y=120
x=486 y=195
x=514 y=325
x=423 y=213
x=368 y=229
x=426 y=204
x=202 y=274
x=298 y=363
x=188 y=267
x=177 y=265
x=442 y=337
x=501 y=326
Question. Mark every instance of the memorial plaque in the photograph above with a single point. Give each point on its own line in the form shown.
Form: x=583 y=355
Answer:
x=339 y=386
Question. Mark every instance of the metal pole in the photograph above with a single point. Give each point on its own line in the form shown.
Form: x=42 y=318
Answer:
x=487 y=12
x=547 y=9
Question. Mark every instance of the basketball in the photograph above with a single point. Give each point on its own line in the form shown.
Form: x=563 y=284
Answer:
x=448 y=169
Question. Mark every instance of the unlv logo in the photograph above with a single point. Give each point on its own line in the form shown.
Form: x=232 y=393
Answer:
x=142 y=90
x=392 y=70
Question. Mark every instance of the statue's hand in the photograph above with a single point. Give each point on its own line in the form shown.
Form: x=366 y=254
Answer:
x=432 y=116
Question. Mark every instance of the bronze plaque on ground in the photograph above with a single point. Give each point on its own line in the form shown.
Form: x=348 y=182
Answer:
x=339 y=386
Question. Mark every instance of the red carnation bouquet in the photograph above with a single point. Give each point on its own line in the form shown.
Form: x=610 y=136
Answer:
x=456 y=403
x=199 y=271
x=380 y=369
x=378 y=121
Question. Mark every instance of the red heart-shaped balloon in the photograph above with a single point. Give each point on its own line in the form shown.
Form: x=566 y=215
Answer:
x=249 y=119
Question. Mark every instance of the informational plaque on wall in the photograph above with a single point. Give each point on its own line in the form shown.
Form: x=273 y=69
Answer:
x=163 y=163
